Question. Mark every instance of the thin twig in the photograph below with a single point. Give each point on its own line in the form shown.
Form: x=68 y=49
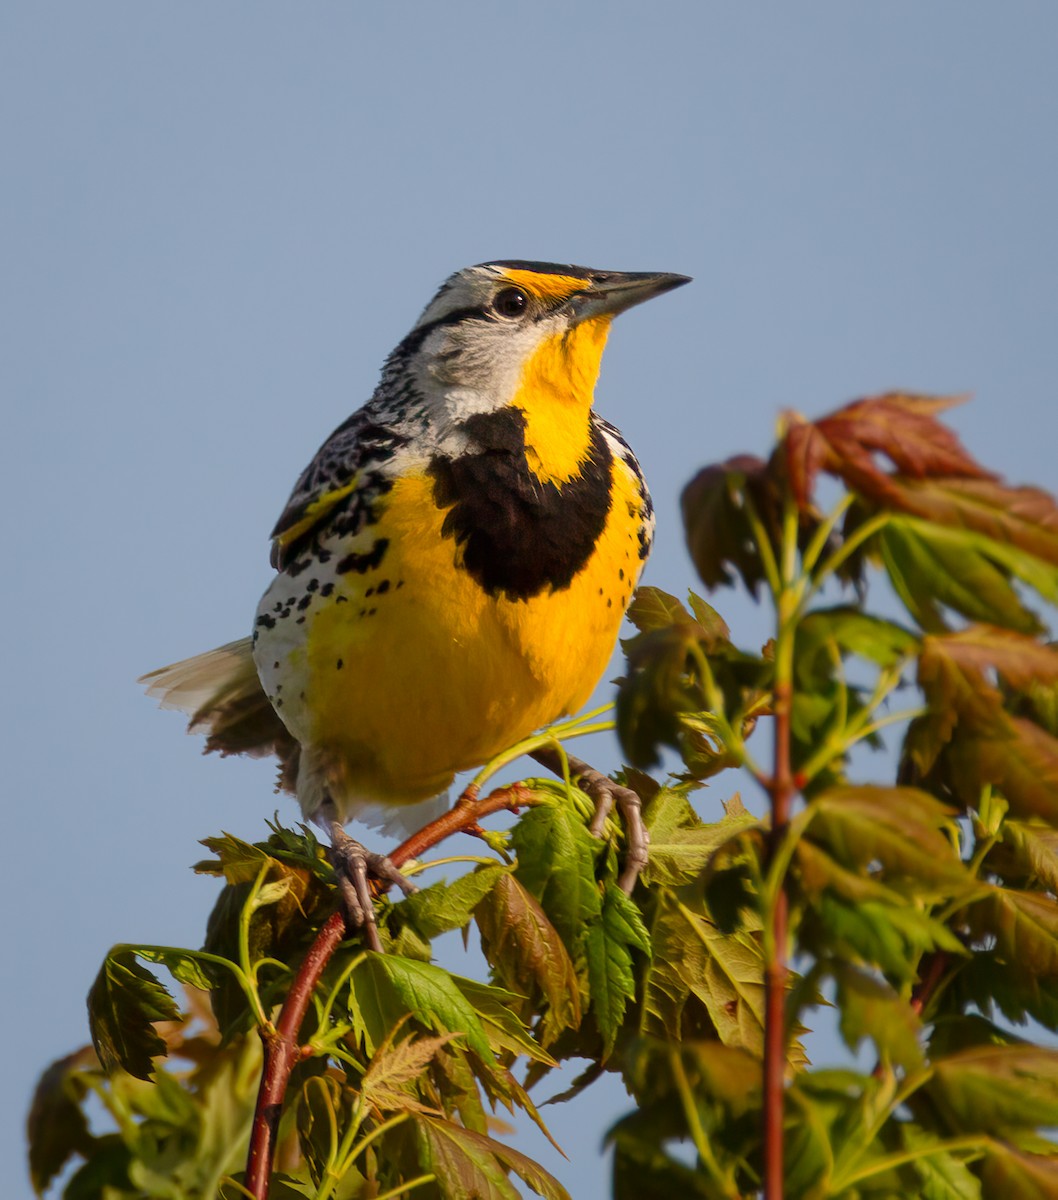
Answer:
x=775 y=969
x=282 y=1050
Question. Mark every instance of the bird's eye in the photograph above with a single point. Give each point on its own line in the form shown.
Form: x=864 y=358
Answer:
x=511 y=302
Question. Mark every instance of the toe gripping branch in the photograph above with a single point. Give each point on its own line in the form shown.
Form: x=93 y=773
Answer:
x=353 y=865
x=606 y=795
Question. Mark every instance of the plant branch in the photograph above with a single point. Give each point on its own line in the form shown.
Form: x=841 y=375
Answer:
x=282 y=1050
x=781 y=793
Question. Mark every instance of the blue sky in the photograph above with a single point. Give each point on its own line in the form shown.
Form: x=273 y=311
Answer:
x=217 y=219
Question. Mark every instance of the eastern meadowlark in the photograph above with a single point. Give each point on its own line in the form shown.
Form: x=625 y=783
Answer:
x=454 y=564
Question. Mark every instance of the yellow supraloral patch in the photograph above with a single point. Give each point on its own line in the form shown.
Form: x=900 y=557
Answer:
x=545 y=286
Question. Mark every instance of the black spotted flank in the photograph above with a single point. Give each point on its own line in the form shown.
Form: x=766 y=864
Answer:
x=520 y=537
x=362 y=563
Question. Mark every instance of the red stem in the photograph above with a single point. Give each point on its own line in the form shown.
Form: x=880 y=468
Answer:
x=781 y=791
x=282 y=1050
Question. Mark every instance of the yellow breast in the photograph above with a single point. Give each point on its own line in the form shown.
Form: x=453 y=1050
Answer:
x=420 y=672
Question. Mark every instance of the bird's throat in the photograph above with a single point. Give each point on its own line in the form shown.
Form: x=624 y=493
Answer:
x=555 y=392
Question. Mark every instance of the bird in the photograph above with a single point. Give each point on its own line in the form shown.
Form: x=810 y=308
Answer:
x=452 y=567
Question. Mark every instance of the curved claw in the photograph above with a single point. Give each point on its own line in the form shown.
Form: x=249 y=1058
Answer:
x=354 y=865
x=607 y=795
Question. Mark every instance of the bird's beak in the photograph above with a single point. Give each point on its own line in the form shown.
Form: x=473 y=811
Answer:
x=611 y=292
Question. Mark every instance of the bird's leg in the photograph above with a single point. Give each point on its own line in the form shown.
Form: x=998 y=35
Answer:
x=606 y=795
x=353 y=864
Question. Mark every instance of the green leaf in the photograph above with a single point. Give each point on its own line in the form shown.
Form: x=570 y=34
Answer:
x=608 y=945
x=989 y=981
x=692 y=958
x=527 y=953
x=899 y=827
x=850 y=631
x=105 y=1174
x=1011 y=1172
x=556 y=863
x=1030 y=850
x=997 y=1088
x=471 y=1166
x=932 y=566
x=680 y=842
x=385 y=988
x=396 y=1065
x=869 y=1007
x=1024 y=925
x=497 y=1009
x=941 y=1175
x=183 y=965
x=125 y=1001
x=716 y=628
x=886 y=936
x=651 y=608
x=443 y=906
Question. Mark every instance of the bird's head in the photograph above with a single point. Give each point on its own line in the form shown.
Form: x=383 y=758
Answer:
x=521 y=333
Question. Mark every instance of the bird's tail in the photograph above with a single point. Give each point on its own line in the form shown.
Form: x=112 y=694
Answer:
x=222 y=694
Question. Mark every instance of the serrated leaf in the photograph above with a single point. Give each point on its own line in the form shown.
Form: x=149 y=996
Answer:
x=941 y=1175
x=933 y=567
x=1008 y=1171
x=1032 y=850
x=556 y=864
x=716 y=628
x=608 y=945
x=870 y=1008
x=1018 y=758
x=989 y=981
x=850 y=631
x=898 y=827
x=443 y=906
x=527 y=953
x=845 y=443
x=397 y=1064
x=183 y=965
x=238 y=861
x=386 y=988
x=719 y=534
x=1025 y=926
x=889 y=937
x=997 y=1088
x=1024 y=518
x=470 y=1166
x=680 y=842
x=125 y=1001
x=723 y=972
x=652 y=608
x=497 y=1009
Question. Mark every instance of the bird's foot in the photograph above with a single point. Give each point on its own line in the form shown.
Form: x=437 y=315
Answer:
x=355 y=866
x=607 y=795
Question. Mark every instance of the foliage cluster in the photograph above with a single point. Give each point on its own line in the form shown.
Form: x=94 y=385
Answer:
x=922 y=905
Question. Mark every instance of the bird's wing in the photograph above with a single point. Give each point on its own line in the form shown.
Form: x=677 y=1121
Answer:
x=330 y=480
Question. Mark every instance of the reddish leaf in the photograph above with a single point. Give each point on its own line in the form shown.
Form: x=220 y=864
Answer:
x=993 y=1088
x=528 y=955
x=1023 y=517
x=1025 y=928
x=899 y=827
x=904 y=428
x=1017 y=757
x=1011 y=1172
x=714 y=517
